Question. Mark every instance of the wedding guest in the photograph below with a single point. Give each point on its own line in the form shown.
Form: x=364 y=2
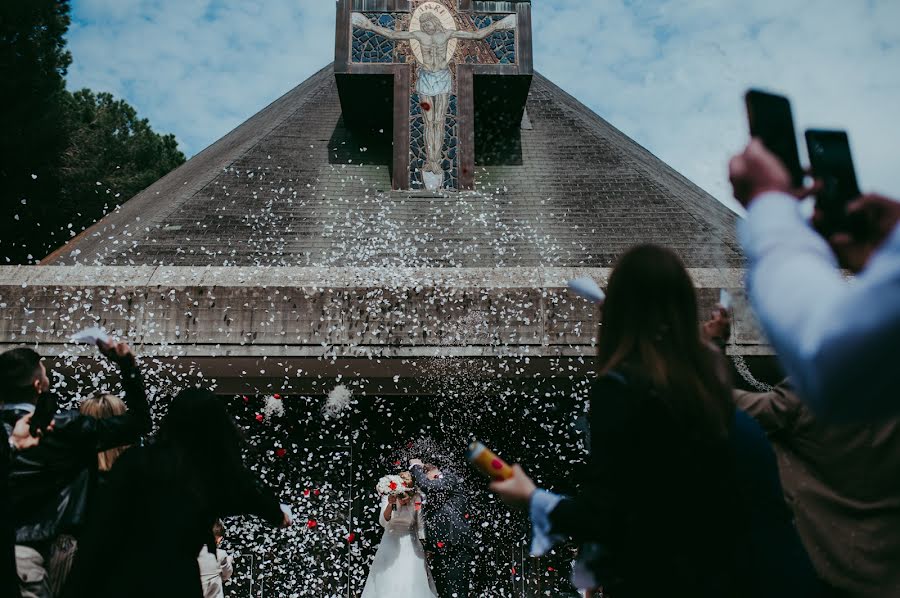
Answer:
x=102 y=407
x=215 y=567
x=51 y=485
x=683 y=493
x=837 y=341
x=189 y=476
x=19 y=440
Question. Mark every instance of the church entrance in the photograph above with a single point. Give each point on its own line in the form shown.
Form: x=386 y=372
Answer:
x=327 y=469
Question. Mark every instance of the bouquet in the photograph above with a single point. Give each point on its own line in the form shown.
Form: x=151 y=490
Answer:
x=392 y=484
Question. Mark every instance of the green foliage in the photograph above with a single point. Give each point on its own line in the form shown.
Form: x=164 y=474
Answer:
x=33 y=63
x=66 y=159
x=112 y=154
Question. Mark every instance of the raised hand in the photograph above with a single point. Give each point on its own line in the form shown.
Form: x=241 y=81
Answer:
x=119 y=353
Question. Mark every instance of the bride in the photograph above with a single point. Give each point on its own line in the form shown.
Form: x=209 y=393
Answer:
x=399 y=568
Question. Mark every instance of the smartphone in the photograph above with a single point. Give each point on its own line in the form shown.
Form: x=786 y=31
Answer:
x=44 y=411
x=487 y=462
x=832 y=163
x=772 y=121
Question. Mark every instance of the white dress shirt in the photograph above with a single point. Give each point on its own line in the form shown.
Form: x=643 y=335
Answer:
x=838 y=340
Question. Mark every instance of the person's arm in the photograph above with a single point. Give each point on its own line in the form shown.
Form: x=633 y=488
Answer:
x=775 y=411
x=509 y=22
x=127 y=428
x=594 y=510
x=362 y=21
x=249 y=496
x=387 y=509
x=836 y=340
x=427 y=485
x=226 y=565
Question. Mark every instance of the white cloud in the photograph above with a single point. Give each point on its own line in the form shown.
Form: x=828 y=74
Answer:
x=670 y=73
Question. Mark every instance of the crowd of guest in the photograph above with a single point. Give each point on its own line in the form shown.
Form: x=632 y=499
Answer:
x=695 y=489
x=689 y=496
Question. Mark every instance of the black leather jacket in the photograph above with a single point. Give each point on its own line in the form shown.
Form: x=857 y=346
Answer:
x=50 y=484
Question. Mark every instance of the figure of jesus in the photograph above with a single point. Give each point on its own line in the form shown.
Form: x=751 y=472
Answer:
x=435 y=82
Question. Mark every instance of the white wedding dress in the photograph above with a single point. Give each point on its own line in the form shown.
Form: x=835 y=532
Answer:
x=399 y=568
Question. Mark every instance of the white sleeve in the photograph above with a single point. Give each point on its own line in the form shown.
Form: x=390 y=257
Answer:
x=836 y=339
x=381 y=520
x=226 y=565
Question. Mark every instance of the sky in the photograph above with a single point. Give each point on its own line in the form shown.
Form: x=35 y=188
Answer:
x=669 y=73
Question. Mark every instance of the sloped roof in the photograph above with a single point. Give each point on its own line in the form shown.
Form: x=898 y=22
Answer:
x=292 y=187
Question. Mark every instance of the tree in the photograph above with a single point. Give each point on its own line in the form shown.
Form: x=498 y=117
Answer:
x=33 y=63
x=65 y=158
x=111 y=156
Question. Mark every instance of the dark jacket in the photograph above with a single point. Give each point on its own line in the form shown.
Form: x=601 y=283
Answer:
x=9 y=581
x=843 y=485
x=668 y=505
x=50 y=484
x=446 y=508
x=152 y=516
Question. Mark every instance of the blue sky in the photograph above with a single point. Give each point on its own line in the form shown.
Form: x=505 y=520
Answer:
x=669 y=73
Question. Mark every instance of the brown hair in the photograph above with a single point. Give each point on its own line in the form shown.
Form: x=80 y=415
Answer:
x=650 y=326
x=103 y=407
x=218 y=529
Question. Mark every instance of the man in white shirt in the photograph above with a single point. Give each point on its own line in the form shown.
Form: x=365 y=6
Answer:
x=215 y=569
x=838 y=340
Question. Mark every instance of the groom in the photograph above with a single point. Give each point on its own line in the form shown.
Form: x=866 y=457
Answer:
x=448 y=537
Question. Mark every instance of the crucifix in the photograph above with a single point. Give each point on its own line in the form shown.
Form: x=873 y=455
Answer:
x=448 y=43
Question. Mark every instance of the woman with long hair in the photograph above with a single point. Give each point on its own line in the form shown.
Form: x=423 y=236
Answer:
x=666 y=494
x=102 y=407
x=175 y=488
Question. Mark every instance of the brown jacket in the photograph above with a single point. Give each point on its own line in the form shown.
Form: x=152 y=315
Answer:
x=843 y=483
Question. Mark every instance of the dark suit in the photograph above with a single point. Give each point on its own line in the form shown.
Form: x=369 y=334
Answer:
x=447 y=532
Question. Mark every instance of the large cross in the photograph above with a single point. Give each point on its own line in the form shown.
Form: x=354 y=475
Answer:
x=434 y=50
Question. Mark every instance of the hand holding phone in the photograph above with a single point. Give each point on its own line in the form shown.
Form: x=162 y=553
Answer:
x=832 y=165
x=772 y=122
x=44 y=412
x=119 y=353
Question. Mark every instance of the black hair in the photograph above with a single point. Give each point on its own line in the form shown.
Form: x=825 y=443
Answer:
x=18 y=369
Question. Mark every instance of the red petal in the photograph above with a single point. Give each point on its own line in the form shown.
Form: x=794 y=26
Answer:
x=306 y=492
x=259 y=417
x=440 y=544
x=277 y=396
x=316 y=492
x=351 y=537
x=311 y=523
x=281 y=452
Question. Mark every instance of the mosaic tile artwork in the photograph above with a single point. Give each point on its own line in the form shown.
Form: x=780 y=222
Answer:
x=417 y=157
x=370 y=47
x=502 y=43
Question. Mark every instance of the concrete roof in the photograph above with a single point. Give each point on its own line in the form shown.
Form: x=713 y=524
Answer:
x=291 y=187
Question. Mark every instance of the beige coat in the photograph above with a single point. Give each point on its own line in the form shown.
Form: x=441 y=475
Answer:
x=843 y=484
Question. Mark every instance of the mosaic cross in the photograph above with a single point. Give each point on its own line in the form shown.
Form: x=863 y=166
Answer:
x=434 y=49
